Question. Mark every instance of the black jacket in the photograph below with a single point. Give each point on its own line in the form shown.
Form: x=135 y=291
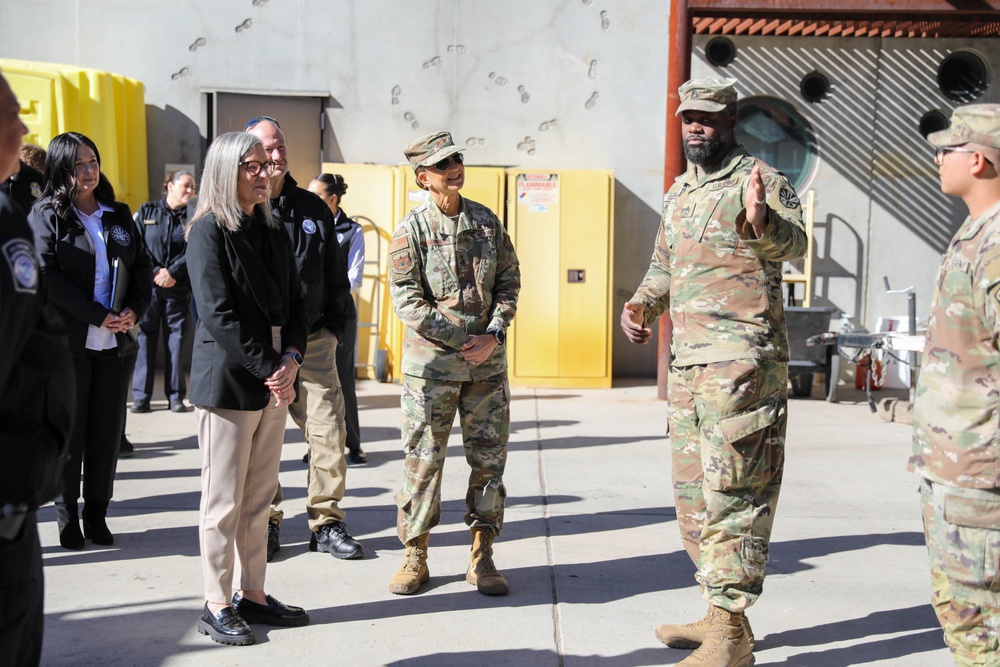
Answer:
x=320 y=261
x=233 y=352
x=37 y=391
x=66 y=252
x=25 y=187
x=156 y=222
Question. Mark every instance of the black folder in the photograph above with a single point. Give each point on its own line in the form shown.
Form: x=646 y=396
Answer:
x=119 y=286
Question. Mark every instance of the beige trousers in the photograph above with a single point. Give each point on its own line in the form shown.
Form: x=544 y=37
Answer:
x=241 y=451
x=319 y=412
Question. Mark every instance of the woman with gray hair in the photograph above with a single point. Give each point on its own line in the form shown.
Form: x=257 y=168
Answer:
x=248 y=347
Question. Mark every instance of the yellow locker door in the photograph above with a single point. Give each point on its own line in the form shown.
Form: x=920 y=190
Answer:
x=585 y=281
x=371 y=199
x=535 y=232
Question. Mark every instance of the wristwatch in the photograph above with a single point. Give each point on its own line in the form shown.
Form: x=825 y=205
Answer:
x=296 y=357
x=500 y=335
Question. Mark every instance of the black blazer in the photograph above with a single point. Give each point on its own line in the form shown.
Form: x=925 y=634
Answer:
x=66 y=253
x=233 y=352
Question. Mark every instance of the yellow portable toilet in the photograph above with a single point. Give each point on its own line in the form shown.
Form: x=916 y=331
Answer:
x=562 y=226
x=108 y=108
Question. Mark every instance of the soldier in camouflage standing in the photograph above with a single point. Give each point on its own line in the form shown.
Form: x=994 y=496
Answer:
x=728 y=224
x=956 y=448
x=454 y=280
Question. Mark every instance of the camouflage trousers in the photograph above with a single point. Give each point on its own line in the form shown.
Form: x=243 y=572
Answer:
x=962 y=530
x=429 y=408
x=727 y=437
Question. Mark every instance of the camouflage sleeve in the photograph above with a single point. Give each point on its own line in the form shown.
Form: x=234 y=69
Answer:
x=785 y=234
x=987 y=276
x=653 y=293
x=409 y=298
x=507 y=283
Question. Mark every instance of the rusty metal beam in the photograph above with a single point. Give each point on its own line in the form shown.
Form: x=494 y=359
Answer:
x=828 y=7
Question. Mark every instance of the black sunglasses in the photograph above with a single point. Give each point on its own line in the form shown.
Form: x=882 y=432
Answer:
x=259 y=119
x=445 y=163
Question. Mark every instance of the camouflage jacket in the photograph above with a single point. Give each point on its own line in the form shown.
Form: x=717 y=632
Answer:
x=722 y=284
x=449 y=280
x=955 y=412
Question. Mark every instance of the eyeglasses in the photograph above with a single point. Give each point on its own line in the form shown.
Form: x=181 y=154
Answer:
x=259 y=119
x=254 y=167
x=445 y=163
x=941 y=151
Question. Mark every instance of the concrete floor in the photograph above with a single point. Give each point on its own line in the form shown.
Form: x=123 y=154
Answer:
x=589 y=547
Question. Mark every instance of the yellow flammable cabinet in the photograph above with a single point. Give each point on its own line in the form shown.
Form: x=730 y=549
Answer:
x=562 y=226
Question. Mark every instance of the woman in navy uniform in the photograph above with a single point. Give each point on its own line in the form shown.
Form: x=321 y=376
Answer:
x=80 y=233
x=161 y=226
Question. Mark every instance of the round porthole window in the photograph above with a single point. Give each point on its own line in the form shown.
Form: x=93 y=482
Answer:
x=932 y=121
x=963 y=77
x=775 y=132
x=720 y=51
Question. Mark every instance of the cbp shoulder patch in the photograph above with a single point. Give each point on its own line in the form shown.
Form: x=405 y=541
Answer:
x=788 y=198
x=36 y=190
x=20 y=258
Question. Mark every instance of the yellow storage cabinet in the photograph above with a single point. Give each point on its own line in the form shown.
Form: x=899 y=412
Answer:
x=372 y=199
x=108 y=108
x=561 y=223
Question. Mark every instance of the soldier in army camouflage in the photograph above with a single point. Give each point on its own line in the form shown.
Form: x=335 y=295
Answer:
x=728 y=224
x=956 y=446
x=454 y=280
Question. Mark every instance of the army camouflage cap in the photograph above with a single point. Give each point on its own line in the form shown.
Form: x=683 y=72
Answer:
x=971 y=124
x=710 y=94
x=425 y=151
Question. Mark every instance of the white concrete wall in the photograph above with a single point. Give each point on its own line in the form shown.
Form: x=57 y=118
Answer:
x=562 y=84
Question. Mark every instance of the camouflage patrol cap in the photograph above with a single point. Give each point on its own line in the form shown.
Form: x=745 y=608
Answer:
x=971 y=124
x=425 y=151
x=710 y=94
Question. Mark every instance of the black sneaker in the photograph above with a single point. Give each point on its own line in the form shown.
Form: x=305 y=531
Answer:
x=273 y=545
x=226 y=628
x=334 y=539
x=140 y=406
x=357 y=457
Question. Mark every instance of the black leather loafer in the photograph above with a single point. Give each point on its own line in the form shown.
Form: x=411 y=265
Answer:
x=334 y=539
x=272 y=613
x=226 y=628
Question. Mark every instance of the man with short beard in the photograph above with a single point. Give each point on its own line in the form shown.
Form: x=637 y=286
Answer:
x=728 y=224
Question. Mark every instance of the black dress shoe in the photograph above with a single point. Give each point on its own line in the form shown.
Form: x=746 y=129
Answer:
x=272 y=613
x=177 y=405
x=70 y=536
x=334 y=539
x=226 y=628
x=140 y=406
x=357 y=457
x=126 y=449
x=273 y=545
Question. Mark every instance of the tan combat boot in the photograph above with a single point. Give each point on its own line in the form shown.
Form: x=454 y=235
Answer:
x=691 y=635
x=414 y=571
x=725 y=643
x=482 y=572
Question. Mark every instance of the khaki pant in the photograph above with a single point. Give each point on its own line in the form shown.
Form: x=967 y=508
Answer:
x=319 y=412
x=241 y=452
